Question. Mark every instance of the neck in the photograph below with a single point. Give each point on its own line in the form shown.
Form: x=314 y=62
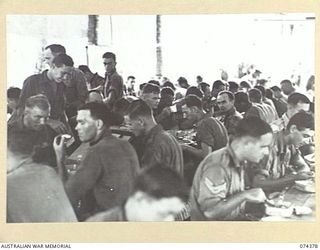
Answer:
x=98 y=135
x=49 y=75
x=150 y=125
x=237 y=147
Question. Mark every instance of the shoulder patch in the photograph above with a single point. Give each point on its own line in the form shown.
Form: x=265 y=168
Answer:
x=215 y=190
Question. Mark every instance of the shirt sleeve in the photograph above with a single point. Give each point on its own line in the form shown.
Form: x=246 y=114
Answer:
x=26 y=92
x=85 y=178
x=204 y=135
x=116 y=85
x=81 y=86
x=212 y=188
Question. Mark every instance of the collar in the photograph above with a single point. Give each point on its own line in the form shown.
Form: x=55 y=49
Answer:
x=21 y=164
x=110 y=74
x=230 y=112
x=105 y=133
x=233 y=157
x=123 y=212
x=154 y=131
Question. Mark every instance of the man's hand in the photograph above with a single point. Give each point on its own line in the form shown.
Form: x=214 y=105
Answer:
x=57 y=126
x=59 y=147
x=255 y=195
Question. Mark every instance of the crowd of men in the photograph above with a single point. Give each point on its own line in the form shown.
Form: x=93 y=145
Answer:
x=194 y=152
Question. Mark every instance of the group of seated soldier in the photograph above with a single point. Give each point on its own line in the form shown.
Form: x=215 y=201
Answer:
x=204 y=153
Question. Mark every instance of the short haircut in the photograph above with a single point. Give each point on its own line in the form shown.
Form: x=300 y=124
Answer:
x=167 y=91
x=168 y=84
x=182 y=80
x=302 y=120
x=139 y=108
x=99 y=111
x=63 y=59
x=161 y=182
x=141 y=86
x=154 y=82
x=217 y=84
x=40 y=101
x=193 y=101
x=252 y=126
x=131 y=77
x=109 y=55
x=241 y=97
x=233 y=86
x=151 y=88
x=295 y=98
x=262 y=82
x=245 y=84
x=310 y=83
x=121 y=105
x=255 y=95
x=21 y=143
x=228 y=93
x=262 y=89
x=286 y=81
x=193 y=90
x=275 y=88
x=203 y=86
x=199 y=78
x=56 y=48
x=84 y=68
x=13 y=93
x=94 y=91
x=269 y=94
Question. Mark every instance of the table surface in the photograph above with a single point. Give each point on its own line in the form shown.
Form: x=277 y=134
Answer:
x=301 y=199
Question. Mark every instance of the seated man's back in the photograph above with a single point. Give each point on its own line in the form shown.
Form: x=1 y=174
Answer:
x=35 y=193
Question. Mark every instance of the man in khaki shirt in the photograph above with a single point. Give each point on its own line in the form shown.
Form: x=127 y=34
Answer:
x=218 y=190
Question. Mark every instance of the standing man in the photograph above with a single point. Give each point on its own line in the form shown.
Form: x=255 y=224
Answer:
x=229 y=115
x=109 y=167
x=50 y=84
x=218 y=190
x=76 y=89
x=113 y=87
x=285 y=164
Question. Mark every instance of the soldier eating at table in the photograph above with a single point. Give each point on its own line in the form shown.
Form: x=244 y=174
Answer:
x=109 y=167
x=218 y=190
x=285 y=165
x=159 y=146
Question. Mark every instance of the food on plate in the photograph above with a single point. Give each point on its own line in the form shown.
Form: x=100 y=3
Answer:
x=282 y=212
x=302 y=210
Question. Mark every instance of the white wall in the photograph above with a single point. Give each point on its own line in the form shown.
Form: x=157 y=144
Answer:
x=191 y=45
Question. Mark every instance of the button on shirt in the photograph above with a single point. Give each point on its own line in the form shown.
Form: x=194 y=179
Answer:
x=109 y=170
x=219 y=176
